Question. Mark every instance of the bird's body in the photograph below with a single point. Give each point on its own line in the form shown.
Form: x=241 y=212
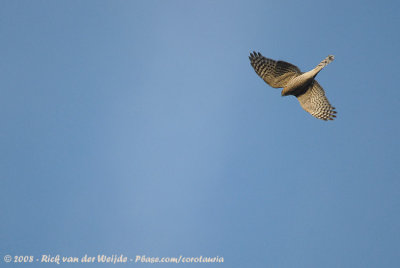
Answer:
x=281 y=74
x=298 y=85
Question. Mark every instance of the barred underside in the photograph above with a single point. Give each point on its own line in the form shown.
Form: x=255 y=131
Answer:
x=283 y=74
x=315 y=102
x=275 y=73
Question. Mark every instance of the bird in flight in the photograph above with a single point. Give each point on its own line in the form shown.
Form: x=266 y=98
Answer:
x=281 y=74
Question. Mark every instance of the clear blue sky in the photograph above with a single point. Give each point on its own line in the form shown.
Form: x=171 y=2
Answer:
x=140 y=128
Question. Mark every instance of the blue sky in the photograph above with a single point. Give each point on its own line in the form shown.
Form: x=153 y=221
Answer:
x=140 y=128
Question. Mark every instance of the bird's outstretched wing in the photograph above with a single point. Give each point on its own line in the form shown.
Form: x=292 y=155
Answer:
x=276 y=73
x=315 y=102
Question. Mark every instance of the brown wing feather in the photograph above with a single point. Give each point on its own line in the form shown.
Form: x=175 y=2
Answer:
x=276 y=73
x=315 y=102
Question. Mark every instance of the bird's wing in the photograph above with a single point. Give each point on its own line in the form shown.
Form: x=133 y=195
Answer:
x=276 y=73
x=315 y=102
